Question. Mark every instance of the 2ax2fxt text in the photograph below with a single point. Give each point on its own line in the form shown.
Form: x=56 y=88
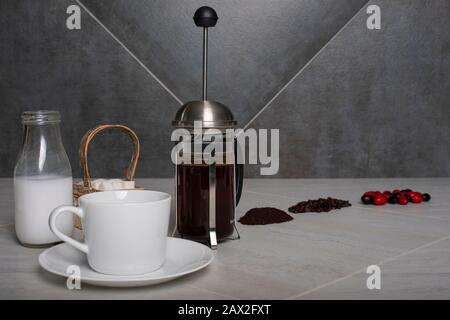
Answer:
x=232 y=309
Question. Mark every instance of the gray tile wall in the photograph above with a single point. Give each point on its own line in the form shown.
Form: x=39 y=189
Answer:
x=375 y=103
x=372 y=103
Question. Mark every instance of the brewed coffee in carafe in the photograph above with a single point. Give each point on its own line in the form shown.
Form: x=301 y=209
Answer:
x=193 y=199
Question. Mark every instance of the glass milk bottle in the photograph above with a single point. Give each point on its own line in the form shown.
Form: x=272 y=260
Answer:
x=42 y=179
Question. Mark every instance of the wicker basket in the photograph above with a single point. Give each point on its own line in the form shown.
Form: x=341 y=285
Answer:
x=85 y=186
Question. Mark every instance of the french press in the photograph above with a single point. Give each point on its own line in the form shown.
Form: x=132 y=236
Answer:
x=207 y=190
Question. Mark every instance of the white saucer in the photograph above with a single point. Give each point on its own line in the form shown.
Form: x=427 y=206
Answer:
x=182 y=257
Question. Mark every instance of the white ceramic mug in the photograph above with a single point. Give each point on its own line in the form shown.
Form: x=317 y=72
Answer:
x=125 y=231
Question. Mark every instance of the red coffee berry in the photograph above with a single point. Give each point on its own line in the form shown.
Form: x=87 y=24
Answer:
x=402 y=200
x=380 y=200
x=416 y=198
x=367 y=199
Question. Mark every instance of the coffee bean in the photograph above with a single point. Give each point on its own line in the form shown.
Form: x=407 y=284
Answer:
x=319 y=205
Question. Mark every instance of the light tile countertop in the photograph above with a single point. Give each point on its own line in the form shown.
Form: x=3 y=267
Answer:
x=314 y=256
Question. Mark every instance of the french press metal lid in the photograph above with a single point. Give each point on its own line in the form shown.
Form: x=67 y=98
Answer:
x=212 y=114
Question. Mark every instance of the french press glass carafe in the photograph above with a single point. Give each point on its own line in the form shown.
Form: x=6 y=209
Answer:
x=208 y=187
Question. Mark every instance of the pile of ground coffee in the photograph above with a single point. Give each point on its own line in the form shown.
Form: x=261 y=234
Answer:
x=261 y=216
x=319 y=205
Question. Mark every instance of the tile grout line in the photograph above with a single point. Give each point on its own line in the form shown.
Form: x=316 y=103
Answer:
x=302 y=69
x=130 y=53
x=426 y=245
